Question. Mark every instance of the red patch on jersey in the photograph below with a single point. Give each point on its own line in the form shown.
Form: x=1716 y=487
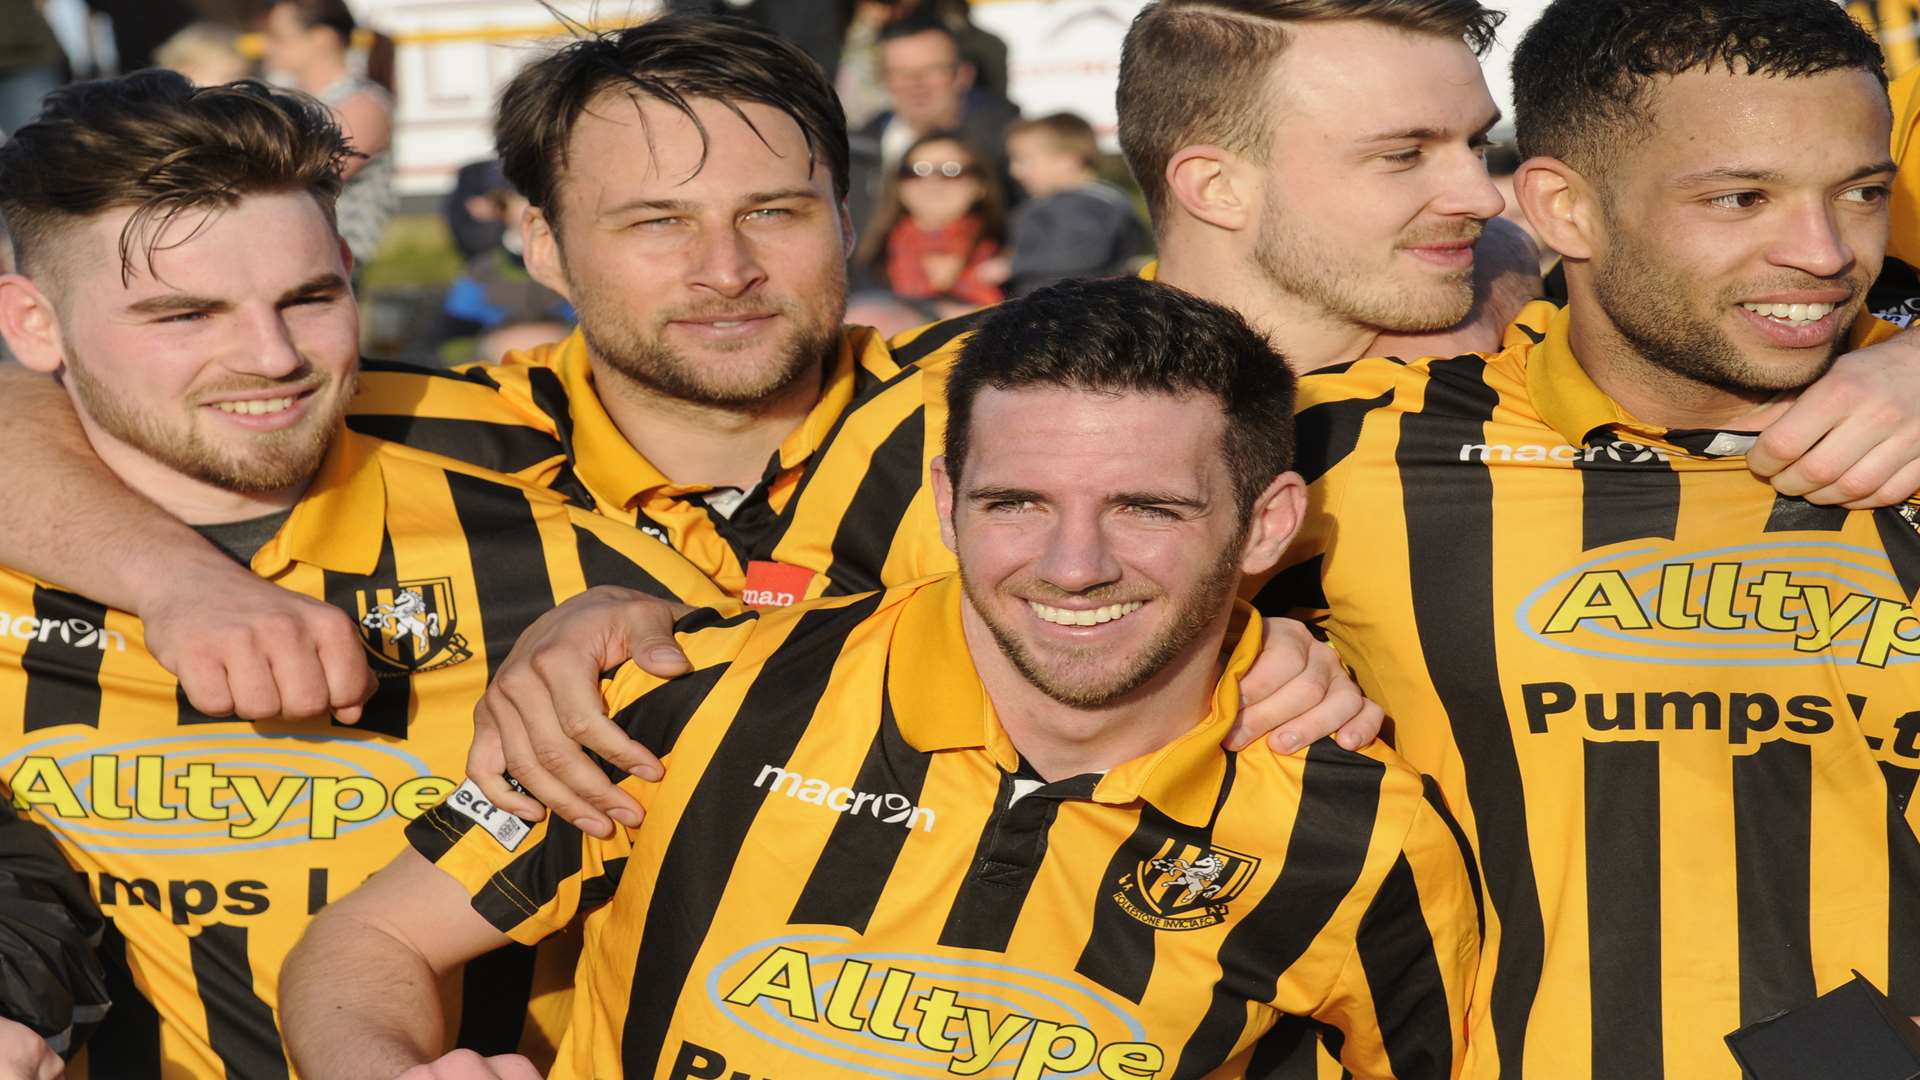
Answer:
x=772 y=584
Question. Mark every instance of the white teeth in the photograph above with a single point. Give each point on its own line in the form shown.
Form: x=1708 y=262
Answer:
x=1791 y=313
x=260 y=407
x=725 y=325
x=1087 y=617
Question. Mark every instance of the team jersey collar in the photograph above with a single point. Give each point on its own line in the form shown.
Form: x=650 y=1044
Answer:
x=340 y=523
x=619 y=475
x=940 y=704
x=1571 y=403
x=1567 y=398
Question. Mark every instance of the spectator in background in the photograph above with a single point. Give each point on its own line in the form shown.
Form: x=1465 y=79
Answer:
x=932 y=90
x=1073 y=224
x=470 y=212
x=495 y=303
x=32 y=63
x=308 y=41
x=205 y=52
x=933 y=246
x=139 y=28
x=859 y=82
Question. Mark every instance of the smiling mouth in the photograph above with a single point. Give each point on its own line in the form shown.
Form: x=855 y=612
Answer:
x=1792 y=314
x=1087 y=617
x=258 y=406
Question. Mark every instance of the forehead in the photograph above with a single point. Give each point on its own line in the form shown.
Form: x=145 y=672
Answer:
x=1834 y=122
x=931 y=45
x=939 y=148
x=1054 y=437
x=1355 y=77
x=626 y=147
x=215 y=253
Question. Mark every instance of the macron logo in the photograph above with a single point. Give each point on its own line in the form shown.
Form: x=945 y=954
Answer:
x=892 y=807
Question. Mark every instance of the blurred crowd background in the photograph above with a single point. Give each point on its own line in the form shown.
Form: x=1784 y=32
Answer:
x=984 y=165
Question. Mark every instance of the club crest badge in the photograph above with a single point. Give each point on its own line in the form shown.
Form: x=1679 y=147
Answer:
x=1184 y=886
x=409 y=628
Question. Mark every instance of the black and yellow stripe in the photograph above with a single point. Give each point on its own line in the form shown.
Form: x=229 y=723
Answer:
x=209 y=842
x=538 y=417
x=848 y=870
x=1673 y=710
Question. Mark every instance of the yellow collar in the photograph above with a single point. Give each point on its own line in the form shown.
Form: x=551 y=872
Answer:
x=340 y=523
x=1570 y=402
x=940 y=704
x=620 y=476
x=1567 y=398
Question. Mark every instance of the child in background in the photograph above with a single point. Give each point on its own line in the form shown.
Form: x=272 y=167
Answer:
x=1073 y=224
x=932 y=246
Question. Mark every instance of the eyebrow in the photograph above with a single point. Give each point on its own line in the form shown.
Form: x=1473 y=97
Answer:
x=682 y=206
x=1428 y=134
x=1768 y=176
x=177 y=302
x=1123 y=498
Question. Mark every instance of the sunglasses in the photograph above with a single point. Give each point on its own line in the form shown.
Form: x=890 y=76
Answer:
x=945 y=170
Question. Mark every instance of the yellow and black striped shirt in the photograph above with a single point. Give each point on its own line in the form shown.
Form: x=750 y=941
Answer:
x=1674 y=711
x=210 y=843
x=847 y=869
x=537 y=416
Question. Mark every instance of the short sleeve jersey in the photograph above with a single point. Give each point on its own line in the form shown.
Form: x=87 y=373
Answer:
x=1674 y=710
x=209 y=843
x=538 y=416
x=847 y=869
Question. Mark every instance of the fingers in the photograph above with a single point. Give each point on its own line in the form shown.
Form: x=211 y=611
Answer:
x=487 y=767
x=649 y=637
x=1870 y=480
x=1342 y=705
x=343 y=661
x=545 y=759
x=203 y=680
x=1900 y=488
x=1843 y=459
x=513 y=1067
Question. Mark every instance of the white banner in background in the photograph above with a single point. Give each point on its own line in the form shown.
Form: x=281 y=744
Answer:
x=1062 y=55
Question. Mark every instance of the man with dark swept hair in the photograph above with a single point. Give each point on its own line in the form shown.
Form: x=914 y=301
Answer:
x=1671 y=705
x=151 y=143
x=981 y=820
x=185 y=292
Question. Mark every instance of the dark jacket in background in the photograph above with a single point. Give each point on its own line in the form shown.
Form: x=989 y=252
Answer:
x=51 y=979
x=1092 y=231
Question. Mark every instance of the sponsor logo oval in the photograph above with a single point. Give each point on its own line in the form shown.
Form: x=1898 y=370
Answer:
x=208 y=792
x=1773 y=604
x=914 y=1014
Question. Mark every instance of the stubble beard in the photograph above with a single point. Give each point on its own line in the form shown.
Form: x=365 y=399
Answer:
x=272 y=461
x=1202 y=606
x=650 y=363
x=1647 y=305
x=1323 y=275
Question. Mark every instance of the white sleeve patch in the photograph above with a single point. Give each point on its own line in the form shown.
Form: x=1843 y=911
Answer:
x=468 y=802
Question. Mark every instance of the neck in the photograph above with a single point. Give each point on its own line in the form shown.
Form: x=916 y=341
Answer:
x=1310 y=339
x=1060 y=740
x=1648 y=391
x=704 y=444
x=192 y=501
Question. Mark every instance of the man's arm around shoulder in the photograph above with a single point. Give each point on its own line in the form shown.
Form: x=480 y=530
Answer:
x=238 y=645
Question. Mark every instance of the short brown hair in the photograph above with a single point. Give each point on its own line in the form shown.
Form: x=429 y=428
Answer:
x=1197 y=71
x=153 y=141
x=673 y=59
x=1070 y=133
